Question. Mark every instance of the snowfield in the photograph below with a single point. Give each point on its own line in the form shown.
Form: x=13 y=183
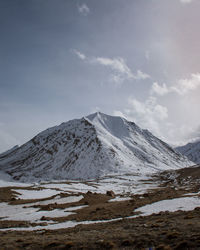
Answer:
x=53 y=194
x=29 y=213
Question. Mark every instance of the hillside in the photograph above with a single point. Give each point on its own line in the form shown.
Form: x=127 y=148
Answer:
x=88 y=148
x=191 y=151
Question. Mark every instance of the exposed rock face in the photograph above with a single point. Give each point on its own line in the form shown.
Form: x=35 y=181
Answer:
x=191 y=150
x=88 y=148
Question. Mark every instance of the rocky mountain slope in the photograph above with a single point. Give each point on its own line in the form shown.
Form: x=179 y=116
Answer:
x=191 y=150
x=88 y=148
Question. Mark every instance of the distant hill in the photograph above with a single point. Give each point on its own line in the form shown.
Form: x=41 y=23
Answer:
x=191 y=150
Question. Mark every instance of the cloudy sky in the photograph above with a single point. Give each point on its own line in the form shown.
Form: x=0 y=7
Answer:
x=64 y=59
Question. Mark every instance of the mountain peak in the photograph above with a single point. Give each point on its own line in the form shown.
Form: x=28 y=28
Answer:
x=90 y=147
x=102 y=118
x=98 y=115
x=115 y=125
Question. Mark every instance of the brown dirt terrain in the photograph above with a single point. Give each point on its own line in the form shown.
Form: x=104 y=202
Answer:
x=178 y=230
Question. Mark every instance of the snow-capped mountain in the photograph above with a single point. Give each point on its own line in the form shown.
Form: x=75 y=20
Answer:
x=88 y=148
x=191 y=150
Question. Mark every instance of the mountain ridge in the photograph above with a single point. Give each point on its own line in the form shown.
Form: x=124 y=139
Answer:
x=191 y=151
x=89 y=148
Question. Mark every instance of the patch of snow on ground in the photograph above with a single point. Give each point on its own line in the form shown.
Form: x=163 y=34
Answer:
x=23 y=213
x=71 y=187
x=16 y=212
x=67 y=224
x=13 y=184
x=75 y=208
x=185 y=204
x=191 y=194
x=36 y=194
x=118 y=184
x=60 y=200
x=120 y=199
x=27 y=213
x=172 y=205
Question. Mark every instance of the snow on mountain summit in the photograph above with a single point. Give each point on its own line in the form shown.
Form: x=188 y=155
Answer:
x=88 y=148
x=115 y=125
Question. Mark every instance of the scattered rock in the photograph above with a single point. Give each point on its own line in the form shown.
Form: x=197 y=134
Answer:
x=43 y=218
x=110 y=193
x=69 y=245
x=126 y=243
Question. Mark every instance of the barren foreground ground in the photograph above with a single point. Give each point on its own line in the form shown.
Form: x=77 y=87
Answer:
x=86 y=216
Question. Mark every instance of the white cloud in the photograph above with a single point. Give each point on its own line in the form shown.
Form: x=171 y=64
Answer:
x=79 y=54
x=184 y=134
x=116 y=78
x=119 y=67
x=83 y=9
x=181 y=87
x=121 y=71
x=117 y=64
x=185 y=1
x=153 y=116
x=194 y=134
x=148 y=114
x=159 y=89
x=150 y=108
x=141 y=75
